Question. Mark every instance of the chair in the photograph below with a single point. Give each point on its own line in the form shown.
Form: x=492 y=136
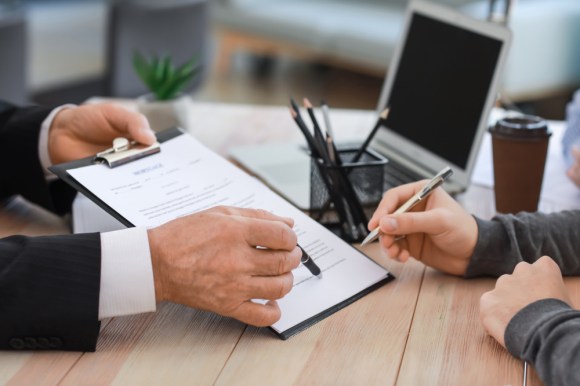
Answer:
x=174 y=27
x=13 y=54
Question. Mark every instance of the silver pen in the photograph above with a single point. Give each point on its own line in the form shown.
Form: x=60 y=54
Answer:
x=417 y=198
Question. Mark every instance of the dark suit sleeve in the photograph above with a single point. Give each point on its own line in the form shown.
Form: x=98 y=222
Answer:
x=49 y=286
x=20 y=168
x=49 y=292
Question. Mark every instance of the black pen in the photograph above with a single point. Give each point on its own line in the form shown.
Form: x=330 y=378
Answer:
x=380 y=121
x=310 y=264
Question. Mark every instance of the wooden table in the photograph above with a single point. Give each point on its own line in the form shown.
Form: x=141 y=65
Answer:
x=421 y=329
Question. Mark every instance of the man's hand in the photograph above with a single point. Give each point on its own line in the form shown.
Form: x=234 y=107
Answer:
x=574 y=171
x=527 y=284
x=211 y=261
x=86 y=130
x=439 y=232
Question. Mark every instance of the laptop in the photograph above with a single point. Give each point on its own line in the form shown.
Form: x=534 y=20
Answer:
x=440 y=88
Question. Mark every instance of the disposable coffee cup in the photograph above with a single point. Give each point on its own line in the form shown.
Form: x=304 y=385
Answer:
x=520 y=145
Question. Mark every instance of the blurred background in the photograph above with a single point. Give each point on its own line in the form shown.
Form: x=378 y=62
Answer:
x=262 y=51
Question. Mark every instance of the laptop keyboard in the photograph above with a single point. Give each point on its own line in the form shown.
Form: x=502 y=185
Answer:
x=397 y=174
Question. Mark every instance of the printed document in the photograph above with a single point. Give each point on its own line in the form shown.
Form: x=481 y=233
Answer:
x=186 y=177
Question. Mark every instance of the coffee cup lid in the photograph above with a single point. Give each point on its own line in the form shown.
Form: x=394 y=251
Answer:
x=521 y=126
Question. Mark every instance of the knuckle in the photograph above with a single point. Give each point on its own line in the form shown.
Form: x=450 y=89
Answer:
x=521 y=264
x=109 y=108
x=522 y=267
x=223 y=209
x=288 y=238
x=280 y=291
x=261 y=213
x=502 y=280
x=546 y=260
x=284 y=286
x=230 y=228
x=282 y=263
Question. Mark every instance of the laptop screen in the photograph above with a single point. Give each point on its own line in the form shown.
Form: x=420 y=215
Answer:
x=441 y=86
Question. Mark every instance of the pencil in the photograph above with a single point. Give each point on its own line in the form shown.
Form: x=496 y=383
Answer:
x=302 y=126
x=333 y=152
x=353 y=209
x=330 y=147
x=326 y=115
x=318 y=137
x=295 y=105
x=380 y=121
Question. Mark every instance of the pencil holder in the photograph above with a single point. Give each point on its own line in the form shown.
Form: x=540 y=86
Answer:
x=365 y=179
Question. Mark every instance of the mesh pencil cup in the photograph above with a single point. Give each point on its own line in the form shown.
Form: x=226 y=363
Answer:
x=365 y=178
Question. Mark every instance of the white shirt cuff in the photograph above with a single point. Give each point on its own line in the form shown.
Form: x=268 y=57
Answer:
x=127 y=285
x=45 y=161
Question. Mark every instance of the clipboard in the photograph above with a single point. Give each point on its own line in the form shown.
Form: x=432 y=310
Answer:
x=62 y=171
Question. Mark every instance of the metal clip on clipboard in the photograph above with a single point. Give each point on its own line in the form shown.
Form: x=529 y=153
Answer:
x=125 y=151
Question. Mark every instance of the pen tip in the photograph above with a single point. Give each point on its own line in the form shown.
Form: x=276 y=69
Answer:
x=385 y=113
x=370 y=237
x=307 y=103
x=319 y=276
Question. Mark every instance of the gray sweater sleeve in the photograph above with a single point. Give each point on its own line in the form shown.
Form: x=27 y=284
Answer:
x=507 y=240
x=546 y=333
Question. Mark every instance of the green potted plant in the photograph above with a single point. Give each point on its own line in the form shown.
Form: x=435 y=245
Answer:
x=166 y=105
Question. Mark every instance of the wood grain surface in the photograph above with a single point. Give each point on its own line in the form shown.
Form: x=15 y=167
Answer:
x=421 y=329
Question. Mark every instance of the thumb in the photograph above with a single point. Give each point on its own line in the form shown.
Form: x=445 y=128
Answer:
x=260 y=315
x=429 y=222
x=130 y=123
x=140 y=130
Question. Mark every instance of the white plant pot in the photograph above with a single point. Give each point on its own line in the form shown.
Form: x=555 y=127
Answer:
x=165 y=114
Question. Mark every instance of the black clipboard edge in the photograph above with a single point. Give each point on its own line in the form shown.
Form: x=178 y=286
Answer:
x=61 y=170
x=284 y=335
